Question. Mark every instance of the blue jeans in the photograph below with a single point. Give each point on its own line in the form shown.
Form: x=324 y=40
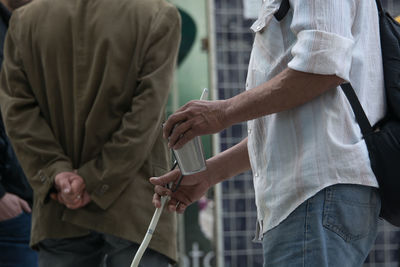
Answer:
x=14 y=242
x=94 y=250
x=336 y=228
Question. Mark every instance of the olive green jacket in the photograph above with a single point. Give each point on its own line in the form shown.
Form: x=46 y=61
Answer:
x=84 y=86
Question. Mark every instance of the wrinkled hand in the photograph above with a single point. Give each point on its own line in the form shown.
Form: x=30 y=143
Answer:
x=71 y=190
x=194 y=119
x=191 y=189
x=11 y=206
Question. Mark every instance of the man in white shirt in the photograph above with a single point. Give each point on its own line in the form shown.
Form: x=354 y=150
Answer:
x=316 y=196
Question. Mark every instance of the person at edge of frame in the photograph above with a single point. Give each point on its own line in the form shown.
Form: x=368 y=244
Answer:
x=83 y=92
x=15 y=191
x=316 y=194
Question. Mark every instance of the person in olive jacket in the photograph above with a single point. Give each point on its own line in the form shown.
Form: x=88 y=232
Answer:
x=83 y=93
x=15 y=192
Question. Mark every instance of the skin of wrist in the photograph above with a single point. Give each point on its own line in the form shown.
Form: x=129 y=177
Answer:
x=228 y=116
x=214 y=175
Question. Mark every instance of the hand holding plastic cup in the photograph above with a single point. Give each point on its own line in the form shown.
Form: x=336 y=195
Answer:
x=190 y=157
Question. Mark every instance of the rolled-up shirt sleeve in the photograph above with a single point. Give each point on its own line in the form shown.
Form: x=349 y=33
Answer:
x=324 y=36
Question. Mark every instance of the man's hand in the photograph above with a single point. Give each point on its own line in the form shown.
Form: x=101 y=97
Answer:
x=11 y=206
x=192 y=188
x=194 y=119
x=71 y=190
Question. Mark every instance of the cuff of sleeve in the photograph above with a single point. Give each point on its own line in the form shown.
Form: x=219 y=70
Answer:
x=101 y=193
x=44 y=179
x=324 y=53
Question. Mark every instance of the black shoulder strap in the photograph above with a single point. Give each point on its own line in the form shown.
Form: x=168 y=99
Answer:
x=283 y=10
x=361 y=118
x=348 y=90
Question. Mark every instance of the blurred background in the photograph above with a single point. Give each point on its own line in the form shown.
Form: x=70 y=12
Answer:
x=215 y=50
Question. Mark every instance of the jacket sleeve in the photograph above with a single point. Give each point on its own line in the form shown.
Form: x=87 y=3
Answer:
x=38 y=151
x=129 y=146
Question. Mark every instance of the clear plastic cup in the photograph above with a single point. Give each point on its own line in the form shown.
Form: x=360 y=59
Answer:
x=190 y=157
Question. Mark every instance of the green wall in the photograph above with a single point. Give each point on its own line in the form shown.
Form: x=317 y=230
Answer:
x=192 y=74
x=191 y=78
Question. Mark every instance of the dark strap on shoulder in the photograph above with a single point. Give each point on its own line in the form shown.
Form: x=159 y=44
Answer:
x=283 y=10
x=361 y=118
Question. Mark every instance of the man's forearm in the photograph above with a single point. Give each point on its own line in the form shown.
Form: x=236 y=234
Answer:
x=287 y=90
x=229 y=163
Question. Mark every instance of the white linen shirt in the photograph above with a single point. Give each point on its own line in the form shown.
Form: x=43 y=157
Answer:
x=298 y=152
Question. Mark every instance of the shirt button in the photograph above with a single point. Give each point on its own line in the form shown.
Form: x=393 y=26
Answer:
x=249 y=131
x=258 y=27
x=256 y=175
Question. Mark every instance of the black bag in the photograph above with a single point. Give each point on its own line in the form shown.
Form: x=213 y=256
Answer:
x=382 y=140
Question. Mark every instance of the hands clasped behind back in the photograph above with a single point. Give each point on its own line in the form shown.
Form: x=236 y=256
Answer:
x=196 y=118
x=70 y=190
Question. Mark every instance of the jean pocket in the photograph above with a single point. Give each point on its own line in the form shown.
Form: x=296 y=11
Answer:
x=13 y=219
x=351 y=211
x=18 y=227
